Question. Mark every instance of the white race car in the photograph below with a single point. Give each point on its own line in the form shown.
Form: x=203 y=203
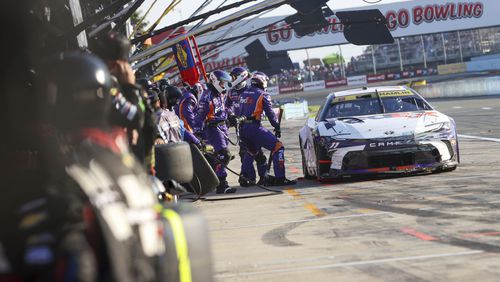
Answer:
x=389 y=129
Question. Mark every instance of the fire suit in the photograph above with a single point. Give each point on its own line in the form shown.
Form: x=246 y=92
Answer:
x=211 y=117
x=186 y=110
x=233 y=108
x=253 y=103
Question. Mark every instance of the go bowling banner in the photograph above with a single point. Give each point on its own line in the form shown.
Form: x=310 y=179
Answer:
x=405 y=18
x=185 y=62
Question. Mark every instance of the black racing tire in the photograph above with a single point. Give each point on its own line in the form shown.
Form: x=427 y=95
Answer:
x=448 y=169
x=321 y=154
x=174 y=162
x=304 y=164
x=443 y=169
x=197 y=244
x=204 y=178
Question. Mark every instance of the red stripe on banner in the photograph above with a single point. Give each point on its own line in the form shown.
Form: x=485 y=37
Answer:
x=335 y=82
x=325 y=161
x=419 y=235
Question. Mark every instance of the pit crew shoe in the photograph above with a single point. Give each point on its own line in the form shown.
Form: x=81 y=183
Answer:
x=284 y=182
x=244 y=182
x=262 y=181
x=224 y=188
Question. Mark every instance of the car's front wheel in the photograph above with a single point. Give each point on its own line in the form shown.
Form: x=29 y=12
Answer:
x=305 y=170
x=323 y=163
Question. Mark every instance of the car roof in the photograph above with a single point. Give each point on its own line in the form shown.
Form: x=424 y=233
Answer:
x=366 y=90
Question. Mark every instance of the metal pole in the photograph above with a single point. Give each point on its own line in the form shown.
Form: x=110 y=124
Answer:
x=200 y=61
x=460 y=46
x=373 y=60
x=400 y=55
x=444 y=49
x=309 y=65
x=424 y=53
x=342 y=67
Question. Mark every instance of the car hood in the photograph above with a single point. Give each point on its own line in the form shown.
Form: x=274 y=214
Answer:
x=382 y=125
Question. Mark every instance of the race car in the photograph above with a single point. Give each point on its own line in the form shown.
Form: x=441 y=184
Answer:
x=390 y=129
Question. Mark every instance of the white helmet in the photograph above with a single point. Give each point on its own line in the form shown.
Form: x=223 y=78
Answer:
x=221 y=81
x=240 y=76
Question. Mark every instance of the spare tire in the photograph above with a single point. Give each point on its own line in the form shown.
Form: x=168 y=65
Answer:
x=204 y=179
x=174 y=162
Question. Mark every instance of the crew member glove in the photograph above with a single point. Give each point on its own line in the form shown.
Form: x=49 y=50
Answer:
x=277 y=132
x=232 y=120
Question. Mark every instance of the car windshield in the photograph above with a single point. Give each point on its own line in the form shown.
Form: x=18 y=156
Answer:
x=370 y=104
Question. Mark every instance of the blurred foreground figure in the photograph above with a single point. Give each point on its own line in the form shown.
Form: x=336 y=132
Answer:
x=94 y=218
x=130 y=108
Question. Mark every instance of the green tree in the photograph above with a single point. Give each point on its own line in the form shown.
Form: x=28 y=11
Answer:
x=135 y=19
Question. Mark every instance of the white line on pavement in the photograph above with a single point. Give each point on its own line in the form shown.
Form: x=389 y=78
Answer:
x=479 y=138
x=343 y=264
x=300 y=221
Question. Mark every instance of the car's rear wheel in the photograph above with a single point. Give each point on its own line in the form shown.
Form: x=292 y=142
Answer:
x=445 y=169
x=305 y=170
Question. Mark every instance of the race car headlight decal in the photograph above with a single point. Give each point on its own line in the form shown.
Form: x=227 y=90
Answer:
x=440 y=126
x=323 y=141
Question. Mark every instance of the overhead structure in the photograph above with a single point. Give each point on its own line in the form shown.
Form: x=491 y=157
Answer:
x=365 y=27
x=257 y=8
x=311 y=16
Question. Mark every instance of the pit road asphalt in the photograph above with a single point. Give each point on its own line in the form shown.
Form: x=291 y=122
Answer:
x=428 y=227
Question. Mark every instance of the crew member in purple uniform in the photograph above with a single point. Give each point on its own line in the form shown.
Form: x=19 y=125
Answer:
x=240 y=77
x=211 y=117
x=253 y=102
x=187 y=106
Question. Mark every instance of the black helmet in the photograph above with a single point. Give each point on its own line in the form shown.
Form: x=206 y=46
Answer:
x=163 y=83
x=77 y=86
x=173 y=94
x=112 y=46
x=144 y=82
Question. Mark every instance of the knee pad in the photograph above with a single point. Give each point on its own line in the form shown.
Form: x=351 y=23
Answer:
x=224 y=156
x=278 y=147
x=260 y=158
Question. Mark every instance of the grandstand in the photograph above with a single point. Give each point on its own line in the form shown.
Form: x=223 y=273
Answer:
x=426 y=51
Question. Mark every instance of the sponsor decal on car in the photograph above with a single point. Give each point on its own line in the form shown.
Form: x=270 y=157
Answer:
x=388 y=144
x=396 y=93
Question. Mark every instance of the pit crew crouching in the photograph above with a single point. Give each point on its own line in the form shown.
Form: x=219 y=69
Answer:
x=253 y=102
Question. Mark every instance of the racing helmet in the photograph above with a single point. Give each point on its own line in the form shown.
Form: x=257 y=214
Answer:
x=145 y=83
x=173 y=95
x=394 y=104
x=221 y=80
x=240 y=76
x=259 y=79
x=197 y=89
x=162 y=83
x=77 y=86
